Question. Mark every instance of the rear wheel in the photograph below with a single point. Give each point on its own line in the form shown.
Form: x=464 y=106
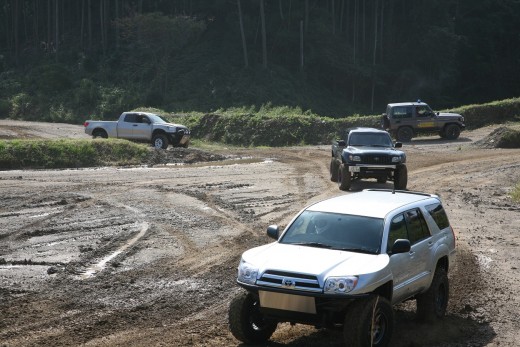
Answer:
x=246 y=323
x=400 y=177
x=160 y=141
x=432 y=304
x=404 y=134
x=334 y=168
x=100 y=133
x=452 y=132
x=369 y=322
x=344 y=177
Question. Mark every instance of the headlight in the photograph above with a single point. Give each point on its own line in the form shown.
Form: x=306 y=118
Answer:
x=354 y=157
x=396 y=159
x=340 y=285
x=247 y=273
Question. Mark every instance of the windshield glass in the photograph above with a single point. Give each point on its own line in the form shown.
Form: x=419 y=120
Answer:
x=336 y=231
x=155 y=118
x=370 y=139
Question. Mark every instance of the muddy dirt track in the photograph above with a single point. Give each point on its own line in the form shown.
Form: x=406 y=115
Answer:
x=147 y=256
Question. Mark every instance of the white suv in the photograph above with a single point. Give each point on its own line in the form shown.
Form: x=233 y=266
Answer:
x=346 y=261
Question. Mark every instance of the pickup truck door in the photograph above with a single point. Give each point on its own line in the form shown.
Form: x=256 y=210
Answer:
x=142 y=129
x=125 y=126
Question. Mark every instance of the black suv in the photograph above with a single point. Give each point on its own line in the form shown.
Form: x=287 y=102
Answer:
x=368 y=153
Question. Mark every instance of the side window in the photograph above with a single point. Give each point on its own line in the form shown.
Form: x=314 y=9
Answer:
x=439 y=215
x=131 y=118
x=417 y=229
x=397 y=231
x=422 y=111
x=402 y=112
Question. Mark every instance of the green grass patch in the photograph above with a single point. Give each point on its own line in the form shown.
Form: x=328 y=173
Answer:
x=66 y=153
x=515 y=194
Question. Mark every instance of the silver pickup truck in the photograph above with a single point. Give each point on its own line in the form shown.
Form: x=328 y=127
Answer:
x=141 y=126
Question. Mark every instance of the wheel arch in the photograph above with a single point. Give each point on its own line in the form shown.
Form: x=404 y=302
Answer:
x=385 y=290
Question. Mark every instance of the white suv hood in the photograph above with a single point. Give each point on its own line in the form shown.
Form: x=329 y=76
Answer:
x=320 y=262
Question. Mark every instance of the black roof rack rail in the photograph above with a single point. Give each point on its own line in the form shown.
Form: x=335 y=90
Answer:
x=393 y=191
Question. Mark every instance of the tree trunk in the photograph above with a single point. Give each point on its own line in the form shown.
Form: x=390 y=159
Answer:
x=301 y=46
x=374 y=57
x=16 y=33
x=243 y=35
x=89 y=19
x=264 y=39
x=333 y=11
x=57 y=29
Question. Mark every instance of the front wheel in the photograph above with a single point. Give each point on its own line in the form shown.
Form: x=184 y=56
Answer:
x=400 y=177
x=452 y=132
x=344 y=177
x=160 y=141
x=246 y=322
x=334 y=168
x=369 y=322
x=432 y=304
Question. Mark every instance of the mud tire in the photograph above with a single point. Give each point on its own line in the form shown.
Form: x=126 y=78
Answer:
x=99 y=133
x=358 y=329
x=404 y=134
x=344 y=177
x=160 y=141
x=432 y=304
x=400 y=177
x=246 y=323
x=334 y=170
x=452 y=132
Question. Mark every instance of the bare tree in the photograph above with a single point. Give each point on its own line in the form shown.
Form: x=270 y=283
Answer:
x=243 y=35
x=374 y=57
x=264 y=39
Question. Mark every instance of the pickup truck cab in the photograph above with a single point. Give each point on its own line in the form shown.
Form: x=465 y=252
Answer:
x=141 y=126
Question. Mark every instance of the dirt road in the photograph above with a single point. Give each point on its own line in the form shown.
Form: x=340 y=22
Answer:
x=147 y=256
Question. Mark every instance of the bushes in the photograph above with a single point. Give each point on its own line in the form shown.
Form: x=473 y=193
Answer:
x=273 y=130
x=496 y=112
x=52 y=154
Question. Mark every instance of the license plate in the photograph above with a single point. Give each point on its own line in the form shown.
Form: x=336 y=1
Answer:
x=353 y=168
x=287 y=302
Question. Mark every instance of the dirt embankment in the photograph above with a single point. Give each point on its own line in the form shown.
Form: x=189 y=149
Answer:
x=148 y=256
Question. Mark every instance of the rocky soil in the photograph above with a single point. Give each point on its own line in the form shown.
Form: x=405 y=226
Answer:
x=147 y=256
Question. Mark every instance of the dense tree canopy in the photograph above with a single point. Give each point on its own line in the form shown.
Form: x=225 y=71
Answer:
x=64 y=59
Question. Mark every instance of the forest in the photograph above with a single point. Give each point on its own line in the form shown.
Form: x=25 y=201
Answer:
x=63 y=60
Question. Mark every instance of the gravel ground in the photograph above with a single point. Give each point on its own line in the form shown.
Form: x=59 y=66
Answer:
x=147 y=256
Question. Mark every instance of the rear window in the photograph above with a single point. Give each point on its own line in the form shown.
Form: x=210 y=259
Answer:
x=439 y=215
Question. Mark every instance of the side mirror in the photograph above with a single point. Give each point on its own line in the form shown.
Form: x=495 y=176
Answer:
x=273 y=231
x=398 y=145
x=341 y=143
x=437 y=113
x=401 y=246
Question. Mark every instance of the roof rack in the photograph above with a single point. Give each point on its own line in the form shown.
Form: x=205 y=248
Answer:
x=393 y=191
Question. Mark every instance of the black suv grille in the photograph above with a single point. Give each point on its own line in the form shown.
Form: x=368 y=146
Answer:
x=288 y=280
x=376 y=159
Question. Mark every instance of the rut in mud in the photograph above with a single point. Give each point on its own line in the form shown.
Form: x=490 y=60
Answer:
x=148 y=256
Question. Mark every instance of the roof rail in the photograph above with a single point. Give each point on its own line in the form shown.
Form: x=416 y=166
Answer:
x=393 y=191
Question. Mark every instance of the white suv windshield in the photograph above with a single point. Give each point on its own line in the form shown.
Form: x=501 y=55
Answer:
x=336 y=231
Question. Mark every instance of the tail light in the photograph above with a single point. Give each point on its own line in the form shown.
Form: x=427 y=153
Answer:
x=85 y=124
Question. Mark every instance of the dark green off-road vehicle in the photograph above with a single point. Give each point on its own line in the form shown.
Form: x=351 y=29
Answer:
x=406 y=120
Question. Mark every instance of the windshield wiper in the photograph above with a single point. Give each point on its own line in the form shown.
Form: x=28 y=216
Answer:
x=358 y=250
x=312 y=244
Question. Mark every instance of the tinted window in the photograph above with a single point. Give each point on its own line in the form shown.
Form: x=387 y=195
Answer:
x=402 y=112
x=397 y=231
x=439 y=215
x=417 y=229
x=131 y=118
x=370 y=139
